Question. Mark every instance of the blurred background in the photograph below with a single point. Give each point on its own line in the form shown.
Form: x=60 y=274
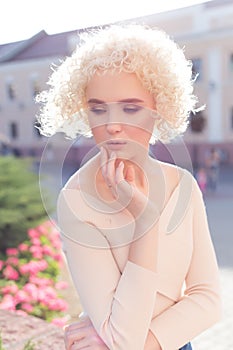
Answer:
x=27 y=51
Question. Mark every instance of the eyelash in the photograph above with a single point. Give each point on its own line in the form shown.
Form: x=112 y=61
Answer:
x=128 y=109
x=131 y=109
x=98 y=110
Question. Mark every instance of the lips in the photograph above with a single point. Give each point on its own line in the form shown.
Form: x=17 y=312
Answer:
x=116 y=142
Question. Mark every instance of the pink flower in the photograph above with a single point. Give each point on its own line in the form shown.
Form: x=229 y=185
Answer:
x=50 y=292
x=43 y=265
x=37 y=255
x=43 y=229
x=24 y=269
x=23 y=247
x=36 y=252
x=40 y=281
x=48 y=251
x=60 y=322
x=36 y=241
x=27 y=307
x=12 y=251
x=33 y=267
x=21 y=296
x=58 y=257
x=12 y=260
x=8 y=303
x=41 y=295
x=48 y=296
x=31 y=290
x=61 y=285
x=10 y=273
x=10 y=289
x=1 y=264
x=32 y=233
x=56 y=305
x=56 y=244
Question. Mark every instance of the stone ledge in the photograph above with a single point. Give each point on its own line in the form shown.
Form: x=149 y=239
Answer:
x=16 y=330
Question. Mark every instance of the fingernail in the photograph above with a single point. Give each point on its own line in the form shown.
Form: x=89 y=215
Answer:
x=121 y=163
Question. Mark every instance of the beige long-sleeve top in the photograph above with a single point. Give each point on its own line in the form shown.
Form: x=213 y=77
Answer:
x=124 y=300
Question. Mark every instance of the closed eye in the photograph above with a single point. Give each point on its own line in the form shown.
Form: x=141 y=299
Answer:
x=130 y=108
x=98 y=109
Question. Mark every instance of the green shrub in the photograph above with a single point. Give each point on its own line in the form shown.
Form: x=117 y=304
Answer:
x=20 y=201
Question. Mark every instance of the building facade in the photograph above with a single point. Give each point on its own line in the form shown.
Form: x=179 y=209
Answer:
x=205 y=31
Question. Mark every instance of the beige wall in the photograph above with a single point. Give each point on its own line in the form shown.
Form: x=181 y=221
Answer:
x=22 y=109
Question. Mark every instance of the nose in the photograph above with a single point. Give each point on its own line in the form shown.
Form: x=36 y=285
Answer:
x=113 y=127
x=113 y=124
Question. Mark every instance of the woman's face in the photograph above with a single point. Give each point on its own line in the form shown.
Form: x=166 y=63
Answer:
x=120 y=113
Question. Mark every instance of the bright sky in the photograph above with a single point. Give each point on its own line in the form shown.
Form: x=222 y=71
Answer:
x=21 y=19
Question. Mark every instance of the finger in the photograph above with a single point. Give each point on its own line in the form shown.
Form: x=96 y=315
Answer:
x=103 y=160
x=79 y=324
x=119 y=173
x=81 y=344
x=130 y=174
x=110 y=173
x=72 y=336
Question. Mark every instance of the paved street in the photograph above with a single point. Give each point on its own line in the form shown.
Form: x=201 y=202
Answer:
x=220 y=215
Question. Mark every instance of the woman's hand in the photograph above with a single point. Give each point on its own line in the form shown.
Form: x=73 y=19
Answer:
x=82 y=335
x=122 y=184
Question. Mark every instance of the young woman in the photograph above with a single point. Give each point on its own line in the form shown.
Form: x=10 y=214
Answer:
x=135 y=229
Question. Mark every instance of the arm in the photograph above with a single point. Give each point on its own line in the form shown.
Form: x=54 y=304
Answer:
x=84 y=334
x=200 y=306
x=118 y=307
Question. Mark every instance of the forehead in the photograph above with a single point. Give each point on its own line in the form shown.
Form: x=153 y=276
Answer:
x=112 y=86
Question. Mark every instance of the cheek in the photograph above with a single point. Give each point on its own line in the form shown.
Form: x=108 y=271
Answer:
x=143 y=130
x=138 y=135
x=98 y=133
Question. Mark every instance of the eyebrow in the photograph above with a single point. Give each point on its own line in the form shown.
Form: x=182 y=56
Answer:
x=127 y=100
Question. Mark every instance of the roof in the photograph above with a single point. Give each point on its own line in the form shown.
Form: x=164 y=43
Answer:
x=217 y=3
x=40 y=45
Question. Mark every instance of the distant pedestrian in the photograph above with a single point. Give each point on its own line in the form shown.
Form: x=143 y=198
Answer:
x=201 y=177
x=212 y=164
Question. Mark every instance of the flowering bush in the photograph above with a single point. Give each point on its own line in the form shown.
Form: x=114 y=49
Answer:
x=29 y=276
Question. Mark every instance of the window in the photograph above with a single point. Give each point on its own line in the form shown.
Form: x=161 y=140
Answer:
x=231 y=62
x=197 y=68
x=35 y=88
x=232 y=118
x=11 y=91
x=14 y=132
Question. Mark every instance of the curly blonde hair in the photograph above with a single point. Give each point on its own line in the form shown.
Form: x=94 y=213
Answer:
x=148 y=52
